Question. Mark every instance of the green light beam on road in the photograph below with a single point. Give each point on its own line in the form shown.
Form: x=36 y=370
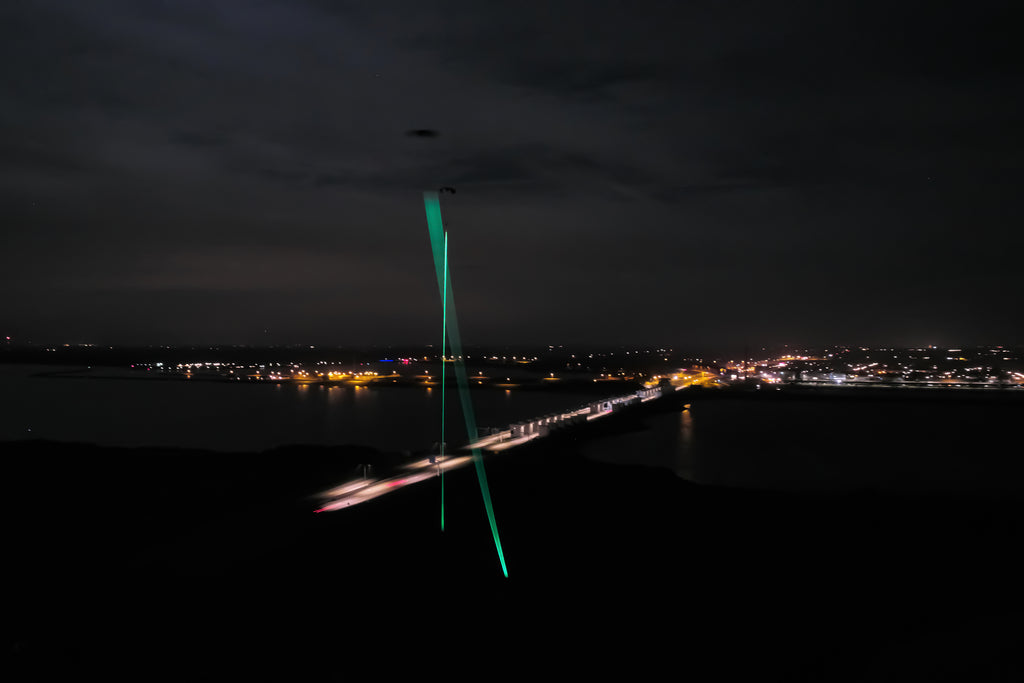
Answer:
x=439 y=247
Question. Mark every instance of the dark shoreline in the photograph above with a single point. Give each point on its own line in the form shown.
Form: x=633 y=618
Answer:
x=583 y=386
x=1009 y=395
x=190 y=555
x=868 y=394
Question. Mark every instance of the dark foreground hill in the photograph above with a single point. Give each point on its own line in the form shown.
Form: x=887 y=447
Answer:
x=143 y=562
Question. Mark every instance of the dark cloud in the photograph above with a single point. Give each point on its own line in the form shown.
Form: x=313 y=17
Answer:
x=32 y=157
x=770 y=167
x=198 y=138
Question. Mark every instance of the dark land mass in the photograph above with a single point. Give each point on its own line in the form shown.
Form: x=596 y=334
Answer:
x=545 y=359
x=145 y=561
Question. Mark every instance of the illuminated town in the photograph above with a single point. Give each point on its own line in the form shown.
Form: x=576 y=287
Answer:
x=985 y=367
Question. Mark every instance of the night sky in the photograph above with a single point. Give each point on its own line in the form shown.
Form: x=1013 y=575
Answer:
x=676 y=173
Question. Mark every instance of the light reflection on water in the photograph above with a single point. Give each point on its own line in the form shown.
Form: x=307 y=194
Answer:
x=685 y=465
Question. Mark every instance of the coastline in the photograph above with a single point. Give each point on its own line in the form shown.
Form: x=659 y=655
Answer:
x=581 y=386
x=585 y=385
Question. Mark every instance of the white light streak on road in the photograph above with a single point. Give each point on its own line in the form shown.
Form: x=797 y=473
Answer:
x=361 y=490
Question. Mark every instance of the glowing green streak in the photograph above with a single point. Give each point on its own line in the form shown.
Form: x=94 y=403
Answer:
x=439 y=246
x=444 y=334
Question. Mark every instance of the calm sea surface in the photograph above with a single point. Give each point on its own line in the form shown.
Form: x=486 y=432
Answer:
x=803 y=444
x=819 y=445
x=228 y=416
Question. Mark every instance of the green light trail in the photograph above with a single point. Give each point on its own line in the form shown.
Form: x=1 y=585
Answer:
x=444 y=335
x=439 y=246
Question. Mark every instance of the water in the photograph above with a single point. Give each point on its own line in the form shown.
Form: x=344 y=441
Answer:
x=245 y=416
x=916 y=446
x=816 y=445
